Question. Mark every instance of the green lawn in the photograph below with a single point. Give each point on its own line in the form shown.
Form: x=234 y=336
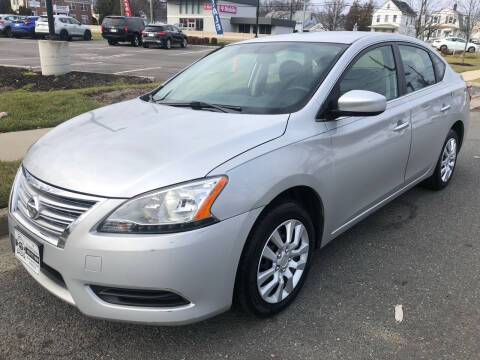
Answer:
x=472 y=62
x=97 y=36
x=41 y=109
x=8 y=169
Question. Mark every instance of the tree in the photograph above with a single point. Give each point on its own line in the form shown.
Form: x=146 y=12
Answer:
x=5 y=7
x=331 y=16
x=424 y=22
x=107 y=7
x=471 y=9
x=22 y=10
x=359 y=15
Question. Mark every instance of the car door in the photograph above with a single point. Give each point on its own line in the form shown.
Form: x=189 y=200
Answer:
x=429 y=100
x=76 y=26
x=370 y=152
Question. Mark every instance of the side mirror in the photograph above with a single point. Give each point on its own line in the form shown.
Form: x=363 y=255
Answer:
x=361 y=103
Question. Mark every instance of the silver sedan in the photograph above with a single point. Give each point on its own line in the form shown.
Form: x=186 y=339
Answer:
x=216 y=187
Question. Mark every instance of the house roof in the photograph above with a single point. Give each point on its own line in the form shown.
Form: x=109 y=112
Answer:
x=404 y=7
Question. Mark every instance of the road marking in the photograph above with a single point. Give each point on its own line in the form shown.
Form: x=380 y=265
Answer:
x=398 y=313
x=127 y=71
x=189 y=52
x=86 y=63
x=23 y=58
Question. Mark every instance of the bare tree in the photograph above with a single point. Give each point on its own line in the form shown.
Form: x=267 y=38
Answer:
x=331 y=16
x=424 y=23
x=471 y=10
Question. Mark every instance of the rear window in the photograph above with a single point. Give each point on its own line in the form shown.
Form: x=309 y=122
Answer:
x=113 y=21
x=155 y=28
x=43 y=19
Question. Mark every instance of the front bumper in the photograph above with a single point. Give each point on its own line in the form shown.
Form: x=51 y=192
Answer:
x=199 y=265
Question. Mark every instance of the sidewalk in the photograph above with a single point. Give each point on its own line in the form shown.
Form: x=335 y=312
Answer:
x=471 y=75
x=14 y=145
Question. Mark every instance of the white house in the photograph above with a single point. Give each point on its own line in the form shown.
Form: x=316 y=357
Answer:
x=447 y=22
x=394 y=17
x=235 y=16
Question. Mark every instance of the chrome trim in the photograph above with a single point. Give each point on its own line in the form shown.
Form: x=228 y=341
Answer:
x=58 y=209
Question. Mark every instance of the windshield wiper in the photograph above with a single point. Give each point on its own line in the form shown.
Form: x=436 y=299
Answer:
x=197 y=105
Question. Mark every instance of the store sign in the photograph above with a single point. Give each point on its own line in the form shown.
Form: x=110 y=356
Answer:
x=230 y=9
x=127 y=11
x=62 y=9
x=33 y=4
x=216 y=18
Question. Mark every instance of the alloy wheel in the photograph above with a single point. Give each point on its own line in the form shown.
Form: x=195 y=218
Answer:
x=449 y=157
x=283 y=261
x=169 y=44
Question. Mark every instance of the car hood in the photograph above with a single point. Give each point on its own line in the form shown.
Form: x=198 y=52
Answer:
x=135 y=146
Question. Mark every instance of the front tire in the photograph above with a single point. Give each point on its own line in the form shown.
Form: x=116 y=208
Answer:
x=446 y=164
x=64 y=35
x=112 y=42
x=275 y=260
x=471 y=49
x=444 y=49
x=168 y=44
x=87 y=36
x=184 y=43
x=8 y=33
x=136 y=40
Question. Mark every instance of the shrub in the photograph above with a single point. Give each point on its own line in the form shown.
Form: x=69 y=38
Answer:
x=214 y=41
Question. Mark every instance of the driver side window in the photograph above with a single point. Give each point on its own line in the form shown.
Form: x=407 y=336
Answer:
x=373 y=71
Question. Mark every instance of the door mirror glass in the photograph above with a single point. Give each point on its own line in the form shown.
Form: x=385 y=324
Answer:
x=361 y=103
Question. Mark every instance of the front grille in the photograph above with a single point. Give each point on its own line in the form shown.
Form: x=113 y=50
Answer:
x=46 y=210
x=138 y=297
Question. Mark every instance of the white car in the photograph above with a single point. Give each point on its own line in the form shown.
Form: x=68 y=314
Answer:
x=66 y=27
x=454 y=44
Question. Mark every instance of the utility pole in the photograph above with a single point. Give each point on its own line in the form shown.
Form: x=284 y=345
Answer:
x=303 y=18
x=335 y=16
x=291 y=9
x=151 y=11
x=256 y=26
x=51 y=21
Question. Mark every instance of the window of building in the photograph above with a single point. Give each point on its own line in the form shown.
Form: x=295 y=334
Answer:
x=386 y=18
x=84 y=7
x=244 y=28
x=43 y=3
x=374 y=71
x=450 y=20
x=191 y=6
x=72 y=6
x=388 y=6
x=455 y=20
x=378 y=18
x=394 y=18
x=84 y=19
x=263 y=29
x=419 y=71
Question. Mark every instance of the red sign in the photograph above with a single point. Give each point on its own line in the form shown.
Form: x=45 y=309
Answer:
x=230 y=9
x=126 y=8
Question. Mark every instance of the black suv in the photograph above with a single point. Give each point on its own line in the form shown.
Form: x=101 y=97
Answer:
x=163 y=35
x=123 y=28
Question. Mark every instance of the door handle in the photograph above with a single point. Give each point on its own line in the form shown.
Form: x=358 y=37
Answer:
x=400 y=126
x=445 y=108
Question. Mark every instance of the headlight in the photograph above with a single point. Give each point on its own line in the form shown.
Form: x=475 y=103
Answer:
x=178 y=208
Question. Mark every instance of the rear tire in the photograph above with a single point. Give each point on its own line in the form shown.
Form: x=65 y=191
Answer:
x=264 y=263
x=87 y=36
x=168 y=44
x=136 y=40
x=184 y=43
x=145 y=45
x=444 y=49
x=446 y=164
x=471 y=49
x=112 y=42
x=8 y=33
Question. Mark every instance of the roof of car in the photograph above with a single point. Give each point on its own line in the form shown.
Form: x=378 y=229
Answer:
x=338 y=37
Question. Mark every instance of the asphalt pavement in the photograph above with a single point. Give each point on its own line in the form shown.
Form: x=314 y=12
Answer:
x=422 y=251
x=98 y=56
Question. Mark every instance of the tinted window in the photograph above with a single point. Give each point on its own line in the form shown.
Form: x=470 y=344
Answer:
x=154 y=28
x=418 y=68
x=439 y=67
x=261 y=78
x=114 y=21
x=373 y=71
x=43 y=19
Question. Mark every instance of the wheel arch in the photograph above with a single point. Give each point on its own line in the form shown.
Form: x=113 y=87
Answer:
x=459 y=128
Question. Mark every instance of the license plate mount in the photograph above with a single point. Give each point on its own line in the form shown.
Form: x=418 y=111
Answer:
x=27 y=251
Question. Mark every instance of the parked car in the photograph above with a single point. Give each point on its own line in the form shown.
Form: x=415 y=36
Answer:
x=24 y=26
x=163 y=35
x=217 y=186
x=454 y=44
x=66 y=28
x=117 y=29
x=6 y=24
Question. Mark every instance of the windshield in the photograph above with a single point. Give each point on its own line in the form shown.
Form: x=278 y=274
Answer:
x=258 y=78
x=154 y=28
x=114 y=21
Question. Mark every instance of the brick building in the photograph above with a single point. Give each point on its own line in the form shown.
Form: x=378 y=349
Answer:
x=78 y=9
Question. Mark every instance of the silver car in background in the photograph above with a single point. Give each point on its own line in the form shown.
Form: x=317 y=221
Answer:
x=217 y=187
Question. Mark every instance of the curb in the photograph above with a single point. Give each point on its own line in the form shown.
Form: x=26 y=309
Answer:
x=3 y=221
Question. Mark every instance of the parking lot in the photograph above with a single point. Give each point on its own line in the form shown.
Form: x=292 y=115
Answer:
x=421 y=252
x=98 y=56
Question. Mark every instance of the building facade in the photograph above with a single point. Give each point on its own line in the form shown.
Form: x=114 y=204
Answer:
x=447 y=22
x=237 y=16
x=78 y=9
x=394 y=17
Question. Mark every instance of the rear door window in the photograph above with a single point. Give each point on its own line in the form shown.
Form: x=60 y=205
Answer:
x=418 y=67
x=374 y=71
x=439 y=68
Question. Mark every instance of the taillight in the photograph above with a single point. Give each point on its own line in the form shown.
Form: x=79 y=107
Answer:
x=101 y=28
x=160 y=32
x=2 y=21
x=143 y=32
x=55 y=22
x=469 y=89
x=27 y=23
x=126 y=28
